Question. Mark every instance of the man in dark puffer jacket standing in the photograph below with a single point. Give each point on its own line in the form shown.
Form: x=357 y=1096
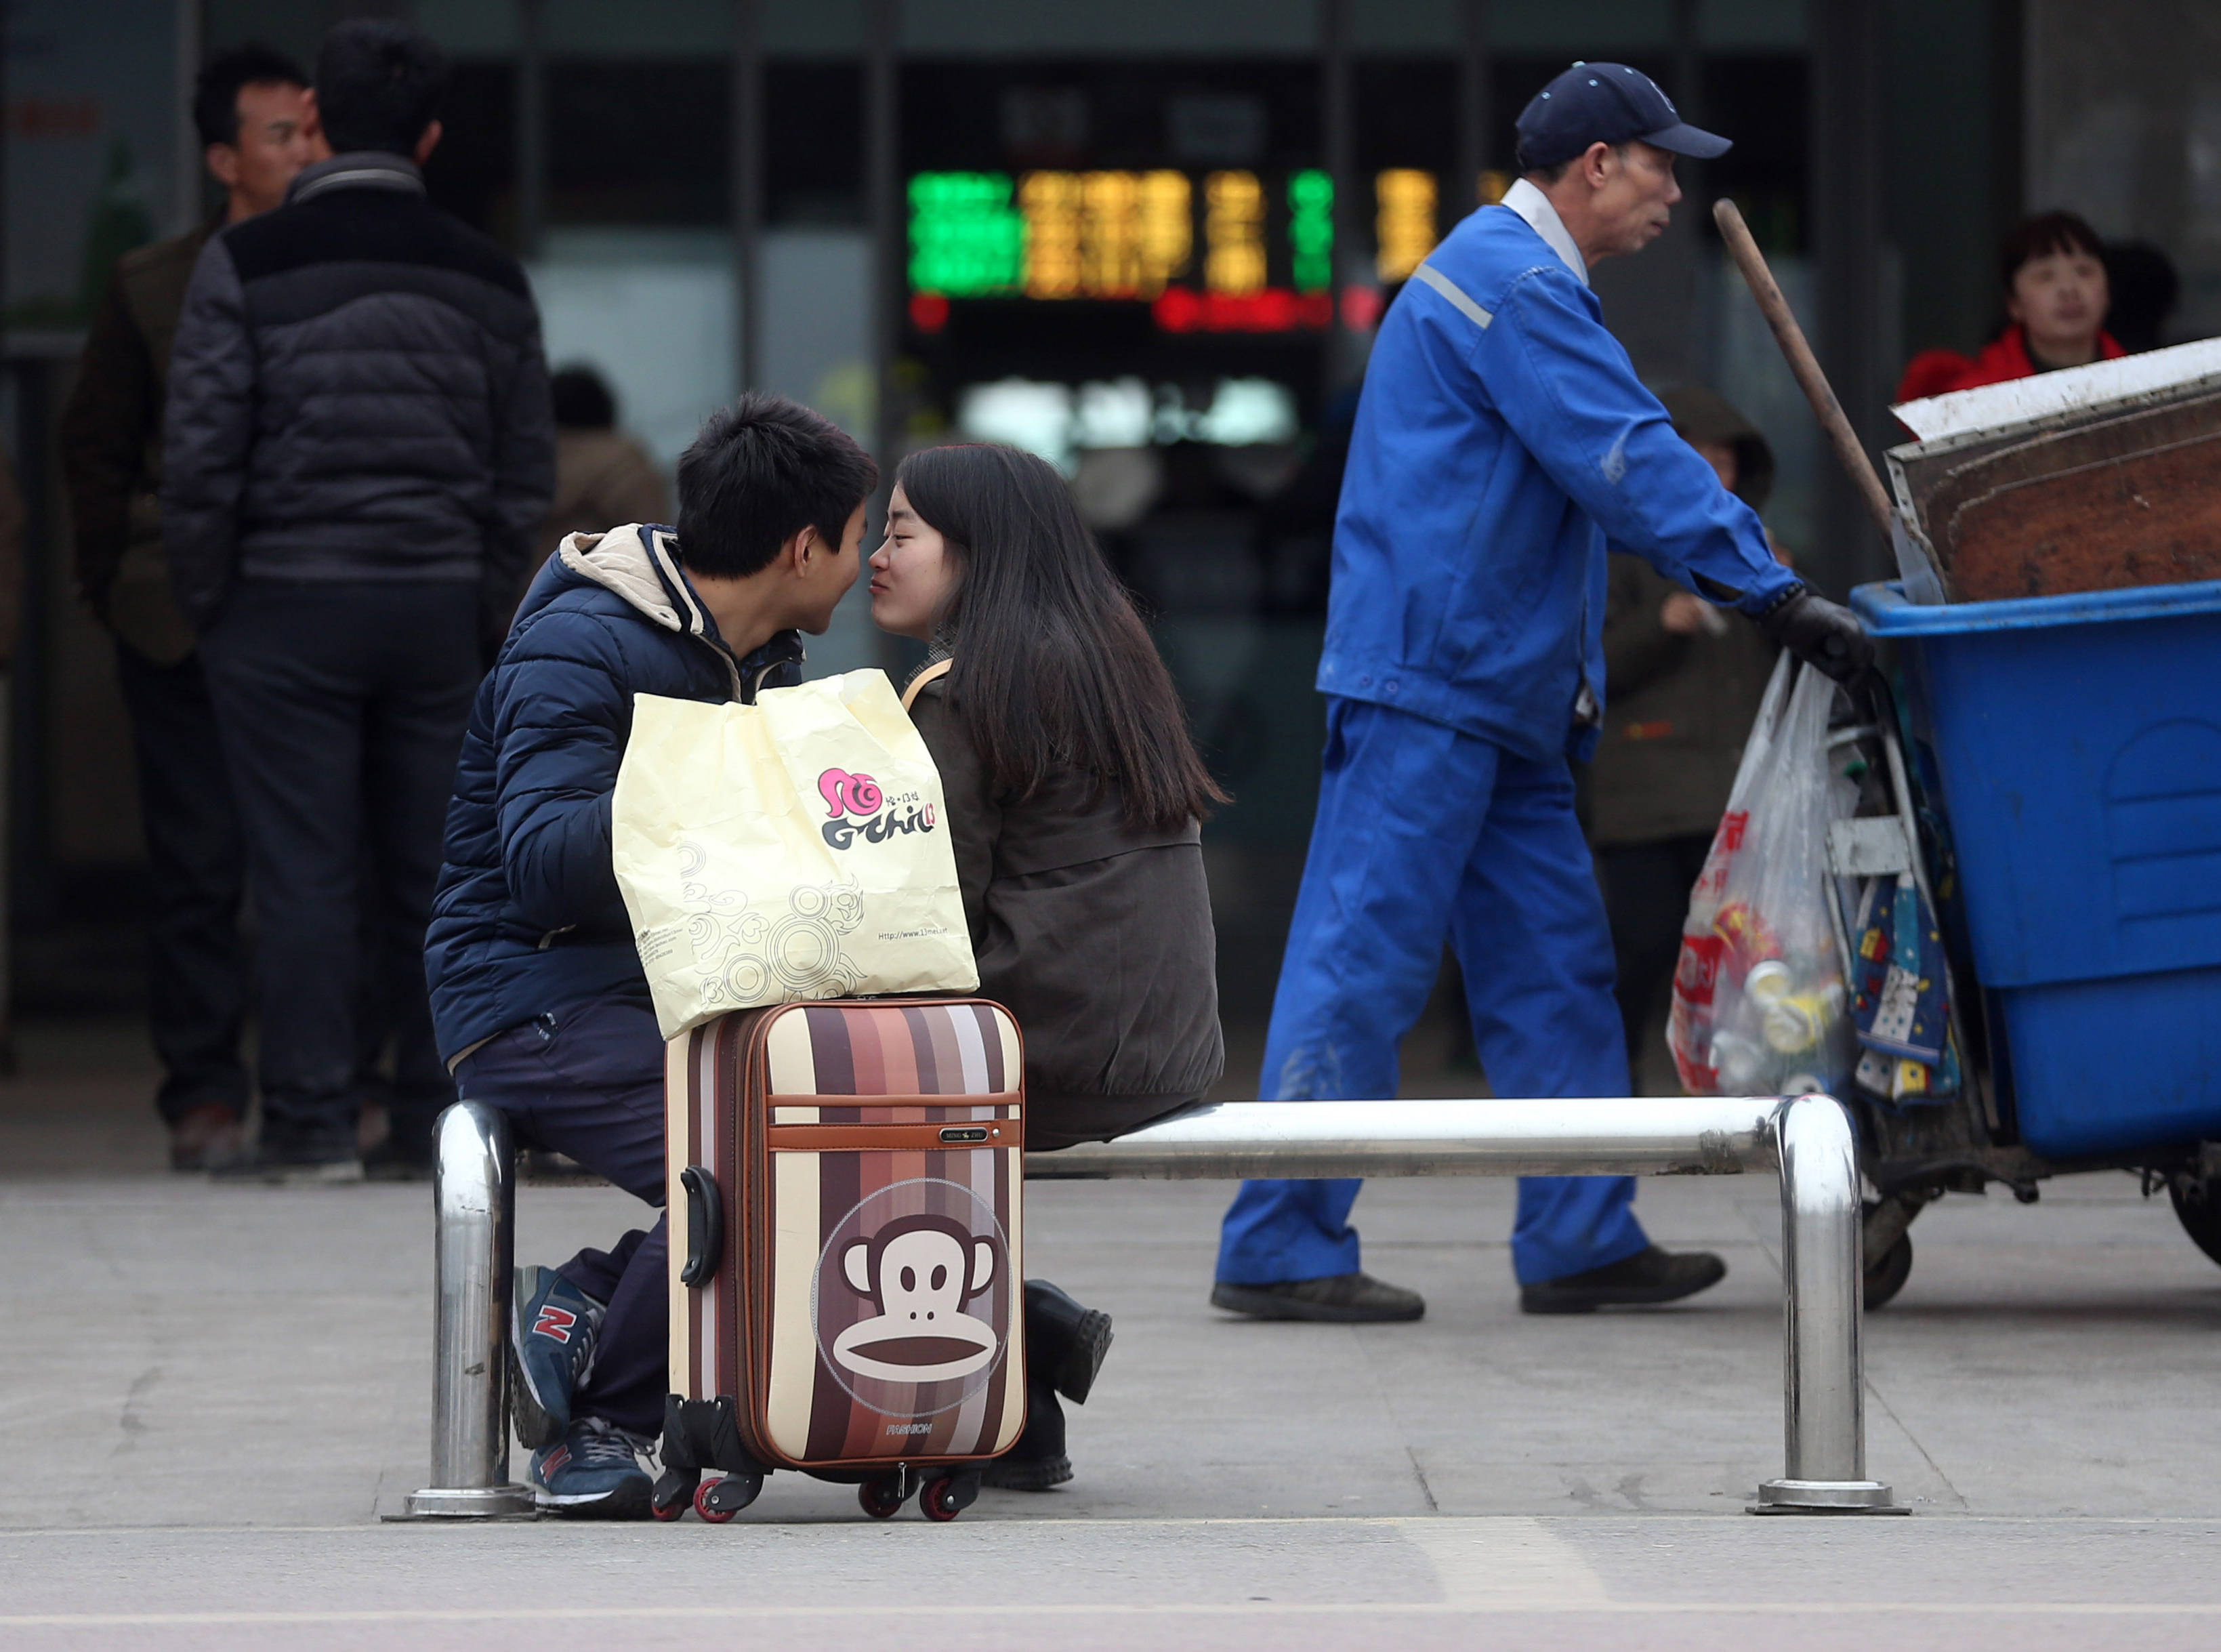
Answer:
x=541 y=1002
x=357 y=449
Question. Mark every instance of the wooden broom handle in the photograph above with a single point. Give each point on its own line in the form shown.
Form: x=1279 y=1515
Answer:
x=1802 y=362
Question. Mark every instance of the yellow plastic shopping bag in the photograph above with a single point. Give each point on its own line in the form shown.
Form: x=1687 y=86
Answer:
x=795 y=849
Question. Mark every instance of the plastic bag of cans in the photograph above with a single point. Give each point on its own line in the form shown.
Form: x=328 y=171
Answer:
x=1759 y=1002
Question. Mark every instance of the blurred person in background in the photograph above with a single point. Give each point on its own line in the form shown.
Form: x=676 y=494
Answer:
x=602 y=476
x=11 y=576
x=2053 y=269
x=2145 y=289
x=258 y=129
x=358 y=453
x=1683 y=681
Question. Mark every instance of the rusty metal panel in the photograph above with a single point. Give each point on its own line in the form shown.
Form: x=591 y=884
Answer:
x=2092 y=498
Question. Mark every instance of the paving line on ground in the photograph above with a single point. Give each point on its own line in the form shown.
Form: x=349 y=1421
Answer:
x=1065 y=1523
x=1507 y=1607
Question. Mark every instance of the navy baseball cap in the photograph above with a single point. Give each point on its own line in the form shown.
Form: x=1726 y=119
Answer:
x=1606 y=102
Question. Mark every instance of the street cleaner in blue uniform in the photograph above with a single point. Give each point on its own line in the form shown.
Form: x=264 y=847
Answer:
x=1502 y=439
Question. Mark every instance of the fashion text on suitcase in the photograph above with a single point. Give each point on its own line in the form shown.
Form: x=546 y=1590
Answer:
x=848 y=1298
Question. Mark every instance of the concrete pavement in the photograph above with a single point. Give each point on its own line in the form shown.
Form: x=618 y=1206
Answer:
x=208 y=1395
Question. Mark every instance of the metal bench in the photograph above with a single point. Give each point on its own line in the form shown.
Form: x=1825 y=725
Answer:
x=1806 y=1139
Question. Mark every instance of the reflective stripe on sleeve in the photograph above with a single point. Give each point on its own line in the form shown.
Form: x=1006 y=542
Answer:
x=1449 y=289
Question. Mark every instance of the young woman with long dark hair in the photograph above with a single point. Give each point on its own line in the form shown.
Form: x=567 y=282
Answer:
x=1075 y=799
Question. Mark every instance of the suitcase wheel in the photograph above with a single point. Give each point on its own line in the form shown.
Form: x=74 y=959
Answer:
x=719 y=1500
x=882 y=1499
x=948 y=1496
x=674 y=1489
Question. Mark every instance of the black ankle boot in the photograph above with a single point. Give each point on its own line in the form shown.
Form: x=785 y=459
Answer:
x=1065 y=1346
x=1065 y=1343
x=1038 y=1460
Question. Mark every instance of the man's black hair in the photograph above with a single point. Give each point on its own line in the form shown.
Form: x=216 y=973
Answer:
x=223 y=76
x=761 y=471
x=378 y=86
x=583 y=400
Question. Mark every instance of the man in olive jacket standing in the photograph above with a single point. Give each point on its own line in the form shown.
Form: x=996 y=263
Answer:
x=357 y=452
x=257 y=126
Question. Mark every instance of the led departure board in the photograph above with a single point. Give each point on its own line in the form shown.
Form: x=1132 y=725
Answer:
x=1221 y=251
x=964 y=237
x=1404 y=225
x=1310 y=230
x=1234 y=233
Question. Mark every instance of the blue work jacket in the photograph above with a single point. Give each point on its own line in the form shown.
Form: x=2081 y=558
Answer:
x=1502 y=438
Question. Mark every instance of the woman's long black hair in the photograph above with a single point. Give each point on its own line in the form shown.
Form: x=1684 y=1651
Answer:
x=1054 y=669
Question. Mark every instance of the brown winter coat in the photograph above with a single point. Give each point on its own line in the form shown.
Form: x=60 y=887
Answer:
x=1677 y=709
x=1097 y=939
x=111 y=447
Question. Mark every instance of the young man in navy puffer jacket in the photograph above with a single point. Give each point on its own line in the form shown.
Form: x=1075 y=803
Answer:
x=537 y=993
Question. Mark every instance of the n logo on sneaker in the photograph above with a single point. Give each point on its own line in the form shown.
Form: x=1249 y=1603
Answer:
x=554 y=1321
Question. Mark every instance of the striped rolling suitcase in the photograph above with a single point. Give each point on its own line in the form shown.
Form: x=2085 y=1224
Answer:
x=846 y=1292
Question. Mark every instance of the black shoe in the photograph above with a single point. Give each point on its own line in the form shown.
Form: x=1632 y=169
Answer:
x=1065 y=1343
x=1643 y=1280
x=1038 y=1461
x=286 y=1159
x=1342 y=1299
x=207 y=1138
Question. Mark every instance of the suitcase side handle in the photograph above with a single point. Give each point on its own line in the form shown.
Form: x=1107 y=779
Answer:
x=705 y=1225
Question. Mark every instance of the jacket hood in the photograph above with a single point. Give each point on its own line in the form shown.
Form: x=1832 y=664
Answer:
x=638 y=563
x=1701 y=414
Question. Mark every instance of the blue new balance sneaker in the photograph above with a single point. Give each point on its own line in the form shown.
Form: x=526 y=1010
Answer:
x=552 y=1332
x=592 y=1472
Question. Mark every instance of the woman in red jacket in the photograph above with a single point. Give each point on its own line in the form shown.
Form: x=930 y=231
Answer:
x=2056 y=301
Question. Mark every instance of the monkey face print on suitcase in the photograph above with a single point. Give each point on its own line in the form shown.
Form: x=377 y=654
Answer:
x=847 y=1283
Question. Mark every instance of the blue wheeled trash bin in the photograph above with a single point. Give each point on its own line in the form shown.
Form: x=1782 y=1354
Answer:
x=2068 y=765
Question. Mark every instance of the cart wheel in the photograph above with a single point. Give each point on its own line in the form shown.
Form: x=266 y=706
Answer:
x=1887 y=1274
x=2200 y=1212
x=881 y=1498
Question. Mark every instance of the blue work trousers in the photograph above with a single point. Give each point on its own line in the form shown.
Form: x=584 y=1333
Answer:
x=588 y=1082
x=1424 y=832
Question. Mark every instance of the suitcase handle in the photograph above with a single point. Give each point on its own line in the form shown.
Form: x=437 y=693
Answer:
x=705 y=1225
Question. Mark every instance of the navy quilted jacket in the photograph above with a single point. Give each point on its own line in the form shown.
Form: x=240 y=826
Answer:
x=356 y=392
x=528 y=918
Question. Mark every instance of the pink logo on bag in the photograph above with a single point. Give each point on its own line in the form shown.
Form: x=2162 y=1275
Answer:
x=848 y=794
x=860 y=795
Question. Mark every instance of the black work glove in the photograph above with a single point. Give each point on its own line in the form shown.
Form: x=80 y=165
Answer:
x=1824 y=634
